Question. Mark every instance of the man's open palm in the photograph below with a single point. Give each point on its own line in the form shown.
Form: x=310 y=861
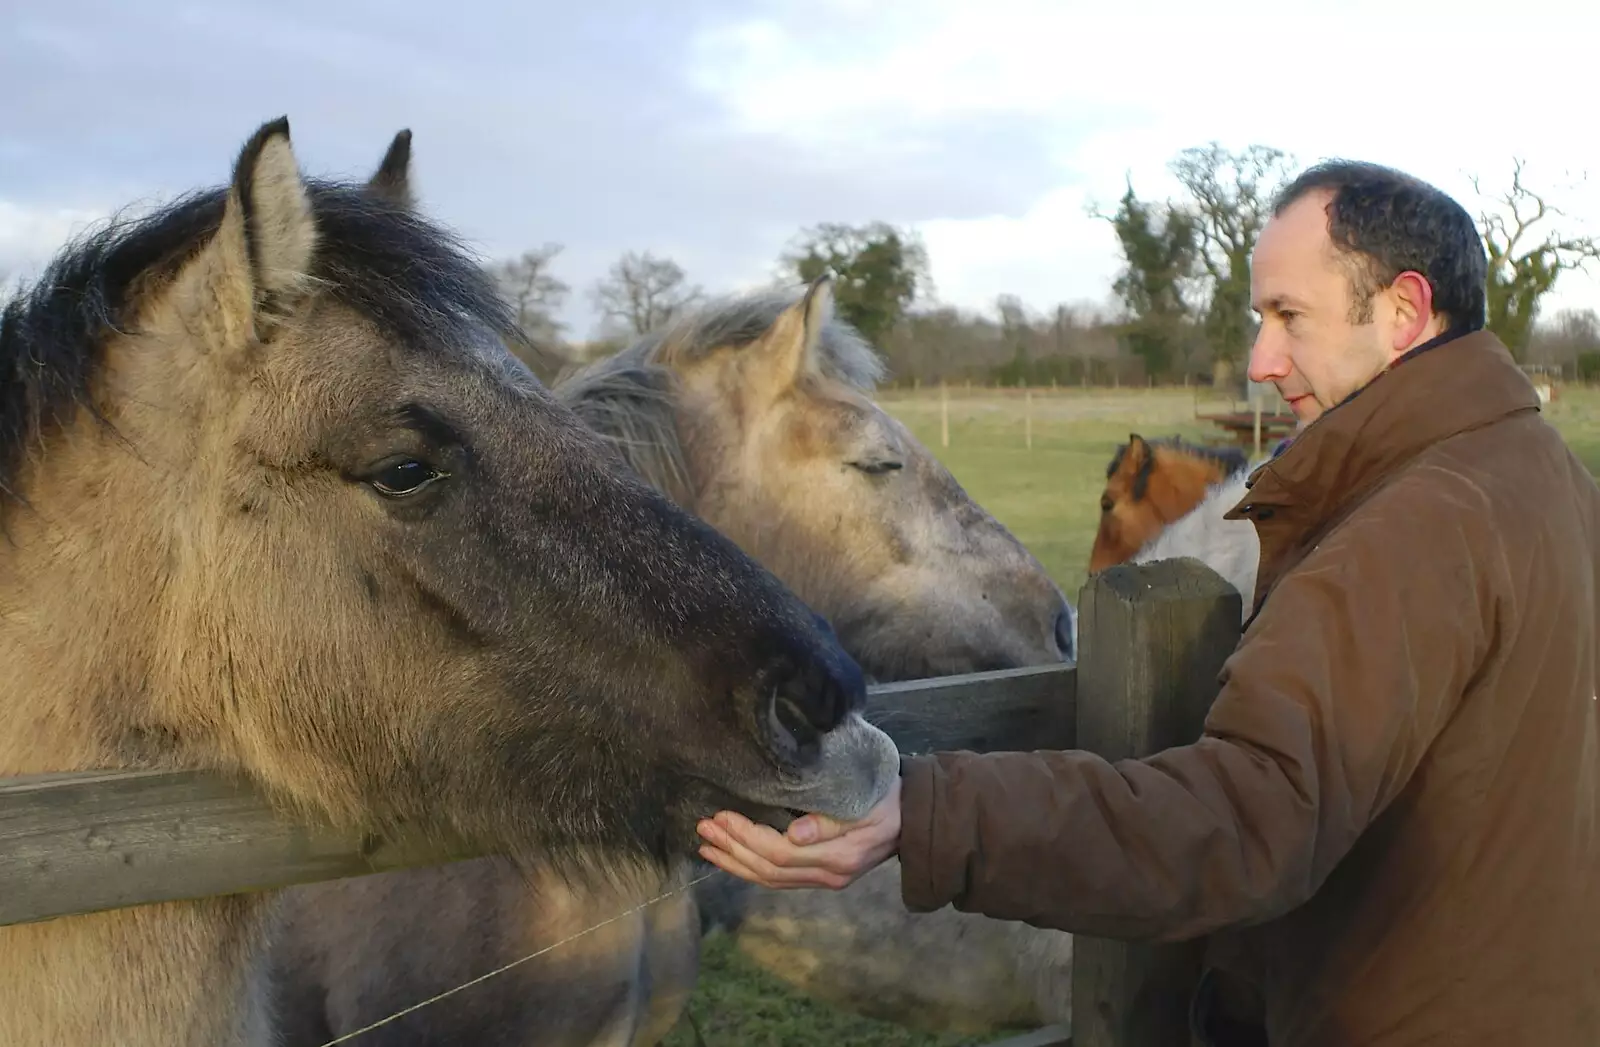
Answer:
x=817 y=851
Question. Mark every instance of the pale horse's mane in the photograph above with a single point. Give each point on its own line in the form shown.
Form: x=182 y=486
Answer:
x=1229 y=547
x=629 y=397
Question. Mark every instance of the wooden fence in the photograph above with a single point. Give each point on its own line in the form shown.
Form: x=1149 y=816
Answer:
x=1153 y=639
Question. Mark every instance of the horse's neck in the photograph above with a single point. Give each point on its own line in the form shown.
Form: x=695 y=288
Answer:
x=64 y=704
x=1204 y=526
x=1182 y=485
x=80 y=596
x=180 y=974
x=79 y=605
x=1229 y=547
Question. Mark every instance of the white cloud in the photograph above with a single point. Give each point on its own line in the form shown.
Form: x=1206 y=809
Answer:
x=30 y=234
x=1057 y=98
x=1119 y=89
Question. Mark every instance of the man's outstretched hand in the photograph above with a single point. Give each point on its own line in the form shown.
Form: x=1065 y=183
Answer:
x=815 y=852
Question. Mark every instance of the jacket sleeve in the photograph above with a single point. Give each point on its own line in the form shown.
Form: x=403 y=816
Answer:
x=1326 y=708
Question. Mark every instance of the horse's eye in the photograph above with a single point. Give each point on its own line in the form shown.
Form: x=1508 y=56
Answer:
x=1105 y=503
x=877 y=467
x=404 y=478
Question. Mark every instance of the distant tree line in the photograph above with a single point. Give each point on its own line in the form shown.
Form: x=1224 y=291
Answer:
x=1179 y=310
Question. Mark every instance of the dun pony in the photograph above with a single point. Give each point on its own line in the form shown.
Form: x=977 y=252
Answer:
x=755 y=412
x=279 y=502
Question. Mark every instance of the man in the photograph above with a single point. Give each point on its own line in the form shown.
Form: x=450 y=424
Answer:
x=1388 y=829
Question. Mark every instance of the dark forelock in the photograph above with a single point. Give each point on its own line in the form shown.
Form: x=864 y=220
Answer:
x=412 y=279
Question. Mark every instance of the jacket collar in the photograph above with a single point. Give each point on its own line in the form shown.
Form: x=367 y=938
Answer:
x=1443 y=387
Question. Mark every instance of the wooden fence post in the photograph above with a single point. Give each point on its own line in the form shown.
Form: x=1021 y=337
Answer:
x=1154 y=638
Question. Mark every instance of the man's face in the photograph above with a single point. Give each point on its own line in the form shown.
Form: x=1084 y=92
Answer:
x=1307 y=346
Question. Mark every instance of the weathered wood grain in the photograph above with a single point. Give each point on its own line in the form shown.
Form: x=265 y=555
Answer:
x=1155 y=640
x=74 y=843
x=1011 y=709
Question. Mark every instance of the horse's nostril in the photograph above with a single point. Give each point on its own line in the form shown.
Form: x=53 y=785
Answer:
x=1067 y=634
x=816 y=696
x=793 y=719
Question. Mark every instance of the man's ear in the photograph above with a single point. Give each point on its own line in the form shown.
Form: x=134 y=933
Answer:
x=1410 y=296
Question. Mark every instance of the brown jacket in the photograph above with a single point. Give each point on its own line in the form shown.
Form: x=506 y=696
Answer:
x=1389 y=826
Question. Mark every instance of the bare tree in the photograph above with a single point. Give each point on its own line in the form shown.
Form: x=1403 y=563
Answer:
x=1232 y=200
x=1520 y=272
x=537 y=296
x=534 y=291
x=1015 y=323
x=1565 y=338
x=1162 y=244
x=643 y=292
x=1077 y=343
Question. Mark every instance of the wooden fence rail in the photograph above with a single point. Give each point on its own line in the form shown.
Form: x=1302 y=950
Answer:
x=1153 y=639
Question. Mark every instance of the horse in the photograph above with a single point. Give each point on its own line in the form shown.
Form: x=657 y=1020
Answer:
x=753 y=412
x=1150 y=484
x=1229 y=547
x=1168 y=498
x=756 y=414
x=373 y=568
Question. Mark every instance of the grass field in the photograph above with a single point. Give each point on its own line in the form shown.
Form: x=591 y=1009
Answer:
x=1048 y=496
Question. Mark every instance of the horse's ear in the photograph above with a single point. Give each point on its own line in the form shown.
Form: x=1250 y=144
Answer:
x=257 y=265
x=392 y=179
x=789 y=348
x=1138 y=450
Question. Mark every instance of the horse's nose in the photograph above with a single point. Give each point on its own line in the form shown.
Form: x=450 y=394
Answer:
x=1067 y=633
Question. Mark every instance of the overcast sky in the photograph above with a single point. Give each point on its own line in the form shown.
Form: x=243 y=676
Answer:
x=713 y=130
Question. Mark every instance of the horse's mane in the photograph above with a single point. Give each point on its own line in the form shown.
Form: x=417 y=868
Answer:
x=410 y=278
x=629 y=397
x=1231 y=459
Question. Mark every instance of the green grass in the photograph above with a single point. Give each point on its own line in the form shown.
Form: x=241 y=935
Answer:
x=1049 y=497
x=737 y=1004
x=1577 y=414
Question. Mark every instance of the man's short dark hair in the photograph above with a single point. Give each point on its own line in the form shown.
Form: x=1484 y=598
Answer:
x=1385 y=222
